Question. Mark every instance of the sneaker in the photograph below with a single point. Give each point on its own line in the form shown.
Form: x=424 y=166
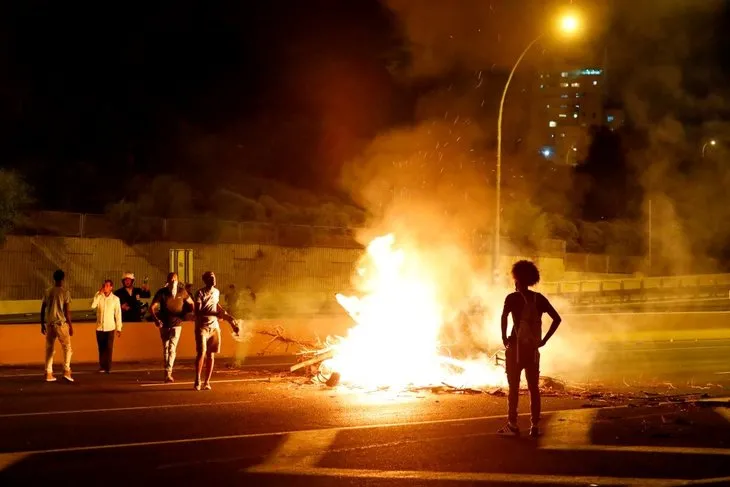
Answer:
x=534 y=431
x=67 y=375
x=206 y=386
x=50 y=377
x=169 y=379
x=196 y=386
x=509 y=429
x=101 y=371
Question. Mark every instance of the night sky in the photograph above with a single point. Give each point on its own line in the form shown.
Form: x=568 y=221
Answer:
x=104 y=96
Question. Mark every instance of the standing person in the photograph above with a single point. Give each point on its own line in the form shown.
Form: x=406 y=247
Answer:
x=168 y=308
x=207 y=329
x=129 y=297
x=108 y=323
x=57 y=301
x=524 y=342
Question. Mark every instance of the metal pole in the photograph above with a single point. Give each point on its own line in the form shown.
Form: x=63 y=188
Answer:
x=498 y=205
x=650 y=237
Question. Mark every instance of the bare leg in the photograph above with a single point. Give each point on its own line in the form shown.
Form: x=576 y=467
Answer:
x=209 y=362
x=198 y=367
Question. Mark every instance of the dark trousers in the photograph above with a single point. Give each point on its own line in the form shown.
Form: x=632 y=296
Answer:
x=529 y=361
x=105 y=341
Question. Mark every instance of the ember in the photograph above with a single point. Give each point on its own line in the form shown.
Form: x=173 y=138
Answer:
x=399 y=320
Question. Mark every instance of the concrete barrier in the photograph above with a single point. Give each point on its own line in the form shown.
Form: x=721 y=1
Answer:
x=23 y=344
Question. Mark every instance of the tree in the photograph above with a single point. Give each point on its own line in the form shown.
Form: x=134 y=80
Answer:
x=14 y=198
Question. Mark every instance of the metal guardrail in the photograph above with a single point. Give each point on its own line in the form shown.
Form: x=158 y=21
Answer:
x=642 y=289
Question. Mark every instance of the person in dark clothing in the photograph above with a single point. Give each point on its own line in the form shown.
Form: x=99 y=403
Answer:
x=523 y=343
x=169 y=308
x=129 y=297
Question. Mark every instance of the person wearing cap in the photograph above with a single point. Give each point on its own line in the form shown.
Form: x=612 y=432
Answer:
x=129 y=298
x=207 y=329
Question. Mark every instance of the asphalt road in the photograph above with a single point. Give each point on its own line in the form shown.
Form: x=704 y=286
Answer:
x=128 y=428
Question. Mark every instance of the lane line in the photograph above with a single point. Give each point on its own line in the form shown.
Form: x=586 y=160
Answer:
x=114 y=446
x=643 y=449
x=166 y=384
x=467 y=477
x=111 y=410
x=569 y=429
x=301 y=449
x=131 y=371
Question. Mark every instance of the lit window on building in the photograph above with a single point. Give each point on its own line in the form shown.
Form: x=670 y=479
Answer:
x=564 y=74
x=563 y=85
x=575 y=84
x=552 y=123
x=562 y=115
x=575 y=115
x=609 y=118
x=563 y=96
x=591 y=72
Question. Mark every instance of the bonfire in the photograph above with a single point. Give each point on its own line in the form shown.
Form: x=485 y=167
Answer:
x=399 y=318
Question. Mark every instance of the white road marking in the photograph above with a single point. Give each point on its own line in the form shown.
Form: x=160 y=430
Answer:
x=275 y=433
x=164 y=384
x=643 y=449
x=111 y=410
x=569 y=429
x=301 y=449
x=154 y=370
x=467 y=477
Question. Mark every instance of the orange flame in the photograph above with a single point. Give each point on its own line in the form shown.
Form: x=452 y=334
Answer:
x=399 y=319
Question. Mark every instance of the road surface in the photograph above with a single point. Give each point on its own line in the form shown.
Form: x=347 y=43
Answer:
x=128 y=428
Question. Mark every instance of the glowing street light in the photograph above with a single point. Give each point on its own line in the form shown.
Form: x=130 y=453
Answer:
x=711 y=142
x=569 y=24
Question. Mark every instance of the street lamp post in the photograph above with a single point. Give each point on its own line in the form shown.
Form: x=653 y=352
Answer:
x=569 y=24
x=498 y=202
x=711 y=142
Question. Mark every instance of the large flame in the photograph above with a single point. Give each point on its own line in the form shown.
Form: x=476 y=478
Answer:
x=399 y=319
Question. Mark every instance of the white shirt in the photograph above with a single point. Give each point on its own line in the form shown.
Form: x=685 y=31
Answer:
x=108 y=312
x=207 y=302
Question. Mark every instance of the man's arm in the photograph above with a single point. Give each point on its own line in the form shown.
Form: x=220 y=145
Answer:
x=556 y=321
x=43 y=317
x=67 y=314
x=97 y=298
x=154 y=306
x=223 y=314
x=503 y=323
x=118 y=316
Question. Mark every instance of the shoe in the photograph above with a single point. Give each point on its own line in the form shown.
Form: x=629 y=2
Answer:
x=196 y=386
x=50 y=377
x=534 y=431
x=509 y=429
x=206 y=386
x=169 y=379
x=67 y=375
x=101 y=371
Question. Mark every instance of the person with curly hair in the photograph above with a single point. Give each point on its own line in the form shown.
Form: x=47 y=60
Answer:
x=524 y=341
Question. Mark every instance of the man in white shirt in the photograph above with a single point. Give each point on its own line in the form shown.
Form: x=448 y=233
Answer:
x=207 y=329
x=108 y=323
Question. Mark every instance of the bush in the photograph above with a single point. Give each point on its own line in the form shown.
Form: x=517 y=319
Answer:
x=14 y=198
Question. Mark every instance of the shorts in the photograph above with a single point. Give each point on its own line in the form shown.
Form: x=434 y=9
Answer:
x=207 y=340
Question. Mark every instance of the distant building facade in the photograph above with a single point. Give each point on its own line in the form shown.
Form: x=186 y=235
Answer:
x=570 y=101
